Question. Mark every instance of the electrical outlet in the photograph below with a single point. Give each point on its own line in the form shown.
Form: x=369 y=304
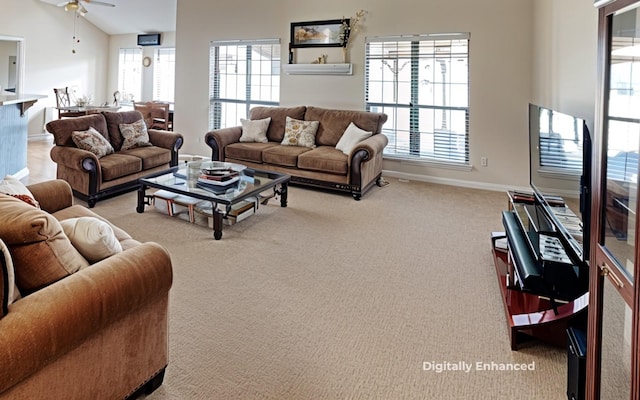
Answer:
x=483 y=161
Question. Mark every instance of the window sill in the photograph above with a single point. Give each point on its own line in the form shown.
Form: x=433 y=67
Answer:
x=318 y=69
x=431 y=163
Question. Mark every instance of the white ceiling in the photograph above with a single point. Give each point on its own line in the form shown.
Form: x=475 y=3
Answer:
x=130 y=16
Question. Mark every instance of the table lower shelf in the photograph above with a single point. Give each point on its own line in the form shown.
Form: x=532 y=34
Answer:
x=533 y=317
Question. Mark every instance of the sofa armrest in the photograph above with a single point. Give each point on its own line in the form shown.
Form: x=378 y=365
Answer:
x=372 y=145
x=73 y=157
x=52 y=195
x=218 y=139
x=52 y=321
x=166 y=139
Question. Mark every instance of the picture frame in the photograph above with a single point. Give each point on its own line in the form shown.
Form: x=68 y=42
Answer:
x=318 y=33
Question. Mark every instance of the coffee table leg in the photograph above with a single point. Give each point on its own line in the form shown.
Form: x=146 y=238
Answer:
x=141 y=195
x=217 y=225
x=283 y=194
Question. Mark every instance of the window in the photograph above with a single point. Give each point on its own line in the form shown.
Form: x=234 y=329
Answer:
x=560 y=141
x=130 y=74
x=164 y=74
x=422 y=84
x=242 y=74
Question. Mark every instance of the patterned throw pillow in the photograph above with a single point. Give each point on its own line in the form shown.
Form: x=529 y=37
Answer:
x=300 y=133
x=91 y=140
x=135 y=135
x=14 y=188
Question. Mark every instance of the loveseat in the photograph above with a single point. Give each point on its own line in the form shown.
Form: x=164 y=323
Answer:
x=100 y=332
x=95 y=169
x=344 y=153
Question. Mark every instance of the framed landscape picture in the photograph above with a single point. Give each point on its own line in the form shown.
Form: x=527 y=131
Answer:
x=317 y=33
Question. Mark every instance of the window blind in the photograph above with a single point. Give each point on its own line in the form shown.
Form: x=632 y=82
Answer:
x=242 y=74
x=422 y=83
x=130 y=74
x=164 y=74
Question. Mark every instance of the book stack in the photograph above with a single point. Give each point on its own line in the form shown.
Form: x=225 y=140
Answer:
x=218 y=178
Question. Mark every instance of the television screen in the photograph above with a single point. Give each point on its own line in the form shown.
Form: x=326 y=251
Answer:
x=560 y=165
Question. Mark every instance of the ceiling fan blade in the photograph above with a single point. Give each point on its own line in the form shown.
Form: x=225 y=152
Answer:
x=99 y=3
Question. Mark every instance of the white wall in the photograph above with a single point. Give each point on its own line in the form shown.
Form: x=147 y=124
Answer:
x=521 y=51
x=564 y=57
x=49 y=62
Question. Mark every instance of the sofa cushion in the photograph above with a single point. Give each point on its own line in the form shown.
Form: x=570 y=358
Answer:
x=117 y=165
x=300 y=133
x=351 y=137
x=93 y=141
x=135 y=135
x=254 y=130
x=113 y=121
x=278 y=115
x=92 y=237
x=333 y=123
x=62 y=129
x=41 y=252
x=286 y=156
x=324 y=159
x=13 y=187
x=151 y=156
x=247 y=151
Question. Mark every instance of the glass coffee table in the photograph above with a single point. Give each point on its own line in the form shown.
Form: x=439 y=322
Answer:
x=248 y=183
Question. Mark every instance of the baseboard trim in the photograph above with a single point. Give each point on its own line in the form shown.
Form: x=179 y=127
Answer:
x=39 y=136
x=23 y=173
x=453 y=182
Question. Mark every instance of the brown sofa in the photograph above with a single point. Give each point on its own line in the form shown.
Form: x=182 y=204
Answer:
x=98 y=333
x=323 y=166
x=93 y=178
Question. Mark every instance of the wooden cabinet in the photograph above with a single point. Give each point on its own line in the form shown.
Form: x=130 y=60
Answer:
x=614 y=300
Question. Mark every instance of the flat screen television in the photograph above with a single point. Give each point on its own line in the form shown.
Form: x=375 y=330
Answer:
x=560 y=151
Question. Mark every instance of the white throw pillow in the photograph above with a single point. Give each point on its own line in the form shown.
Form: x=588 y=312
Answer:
x=92 y=237
x=14 y=188
x=255 y=130
x=6 y=264
x=351 y=137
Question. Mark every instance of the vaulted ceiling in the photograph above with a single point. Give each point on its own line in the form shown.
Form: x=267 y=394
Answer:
x=130 y=16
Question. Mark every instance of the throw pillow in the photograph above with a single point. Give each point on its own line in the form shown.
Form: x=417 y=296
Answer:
x=14 y=188
x=6 y=279
x=91 y=140
x=135 y=135
x=351 y=137
x=254 y=130
x=92 y=237
x=300 y=133
x=41 y=252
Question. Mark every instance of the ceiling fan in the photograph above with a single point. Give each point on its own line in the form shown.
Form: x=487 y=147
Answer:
x=77 y=6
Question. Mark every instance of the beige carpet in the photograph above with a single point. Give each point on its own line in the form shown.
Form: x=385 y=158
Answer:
x=331 y=298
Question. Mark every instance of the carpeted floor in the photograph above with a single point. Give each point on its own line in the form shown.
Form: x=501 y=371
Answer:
x=331 y=298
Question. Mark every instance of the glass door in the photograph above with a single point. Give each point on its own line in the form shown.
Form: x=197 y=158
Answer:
x=612 y=327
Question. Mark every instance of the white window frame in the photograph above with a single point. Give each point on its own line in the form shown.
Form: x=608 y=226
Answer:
x=164 y=70
x=422 y=83
x=239 y=82
x=130 y=74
